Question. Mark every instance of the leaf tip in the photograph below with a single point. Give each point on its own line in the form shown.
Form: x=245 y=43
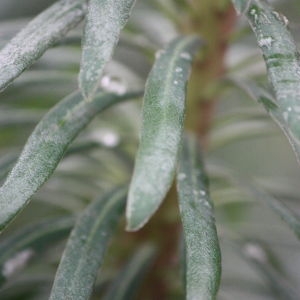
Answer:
x=135 y=219
x=133 y=225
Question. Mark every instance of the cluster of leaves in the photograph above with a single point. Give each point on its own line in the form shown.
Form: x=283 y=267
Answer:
x=97 y=157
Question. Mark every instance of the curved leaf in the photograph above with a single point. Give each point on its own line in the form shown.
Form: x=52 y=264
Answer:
x=85 y=249
x=105 y=20
x=257 y=258
x=243 y=182
x=20 y=246
x=237 y=131
x=40 y=34
x=163 y=117
x=46 y=146
x=35 y=287
x=203 y=256
x=263 y=96
x=282 y=59
x=127 y=282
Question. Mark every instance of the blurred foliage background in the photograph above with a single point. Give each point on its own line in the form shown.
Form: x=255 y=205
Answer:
x=260 y=255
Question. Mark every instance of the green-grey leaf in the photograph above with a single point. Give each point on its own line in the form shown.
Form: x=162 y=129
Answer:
x=85 y=249
x=40 y=34
x=241 y=5
x=105 y=20
x=46 y=146
x=19 y=247
x=163 y=117
x=282 y=59
x=203 y=256
x=237 y=131
x=280 y=286
x=248 y=185
x=127 y=282
x=263 y=96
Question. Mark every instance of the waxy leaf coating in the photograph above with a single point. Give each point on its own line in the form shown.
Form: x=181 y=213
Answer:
x=163 y=118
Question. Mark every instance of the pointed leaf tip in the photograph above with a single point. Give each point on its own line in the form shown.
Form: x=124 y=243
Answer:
x=46 y=146
x=40 y=34
x=105 y=20
x=163 y=118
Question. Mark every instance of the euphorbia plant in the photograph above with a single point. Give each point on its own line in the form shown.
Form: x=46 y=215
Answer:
x=174 y=55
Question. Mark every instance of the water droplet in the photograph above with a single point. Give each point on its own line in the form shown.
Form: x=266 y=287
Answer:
x=159 y=53
x=113 y=84
x=265 y=42
x=178 y=70
x=254 y=14
x=175 y=82
x=106 y=137
x=255 y=251
x=17 y=262
x=186 y=56
x=280 y=17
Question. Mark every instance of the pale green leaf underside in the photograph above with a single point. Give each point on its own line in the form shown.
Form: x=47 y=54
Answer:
x=128 y=281
x=30 y=241
x=163 y=117
x=203 y=256
x=46 y=146
x=282 y=60
x=86 y=247
x=40 y=34
x=105 y=20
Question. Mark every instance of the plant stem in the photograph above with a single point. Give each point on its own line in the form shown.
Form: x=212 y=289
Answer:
x=214 y=22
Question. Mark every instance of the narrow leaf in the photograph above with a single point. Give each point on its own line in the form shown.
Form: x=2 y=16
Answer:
x=85 y=249
x=203 y=256
x=264 y=97
x=46 y=146
x=105 y=20
x=253 y=189
x=128 y=281
x=282 y=59
x=257 y=258
x=19 y=247
x=237 y=131
x=33 y=286
x=40 y=34
x=163 y=117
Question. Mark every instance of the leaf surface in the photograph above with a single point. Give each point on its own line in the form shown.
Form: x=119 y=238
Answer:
x=40 y=34
x=263 y=96
x=163 y=117
x=282 y=60
x=87 y=244
x=47 y=145
x=203 y=256
x=105 y=20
